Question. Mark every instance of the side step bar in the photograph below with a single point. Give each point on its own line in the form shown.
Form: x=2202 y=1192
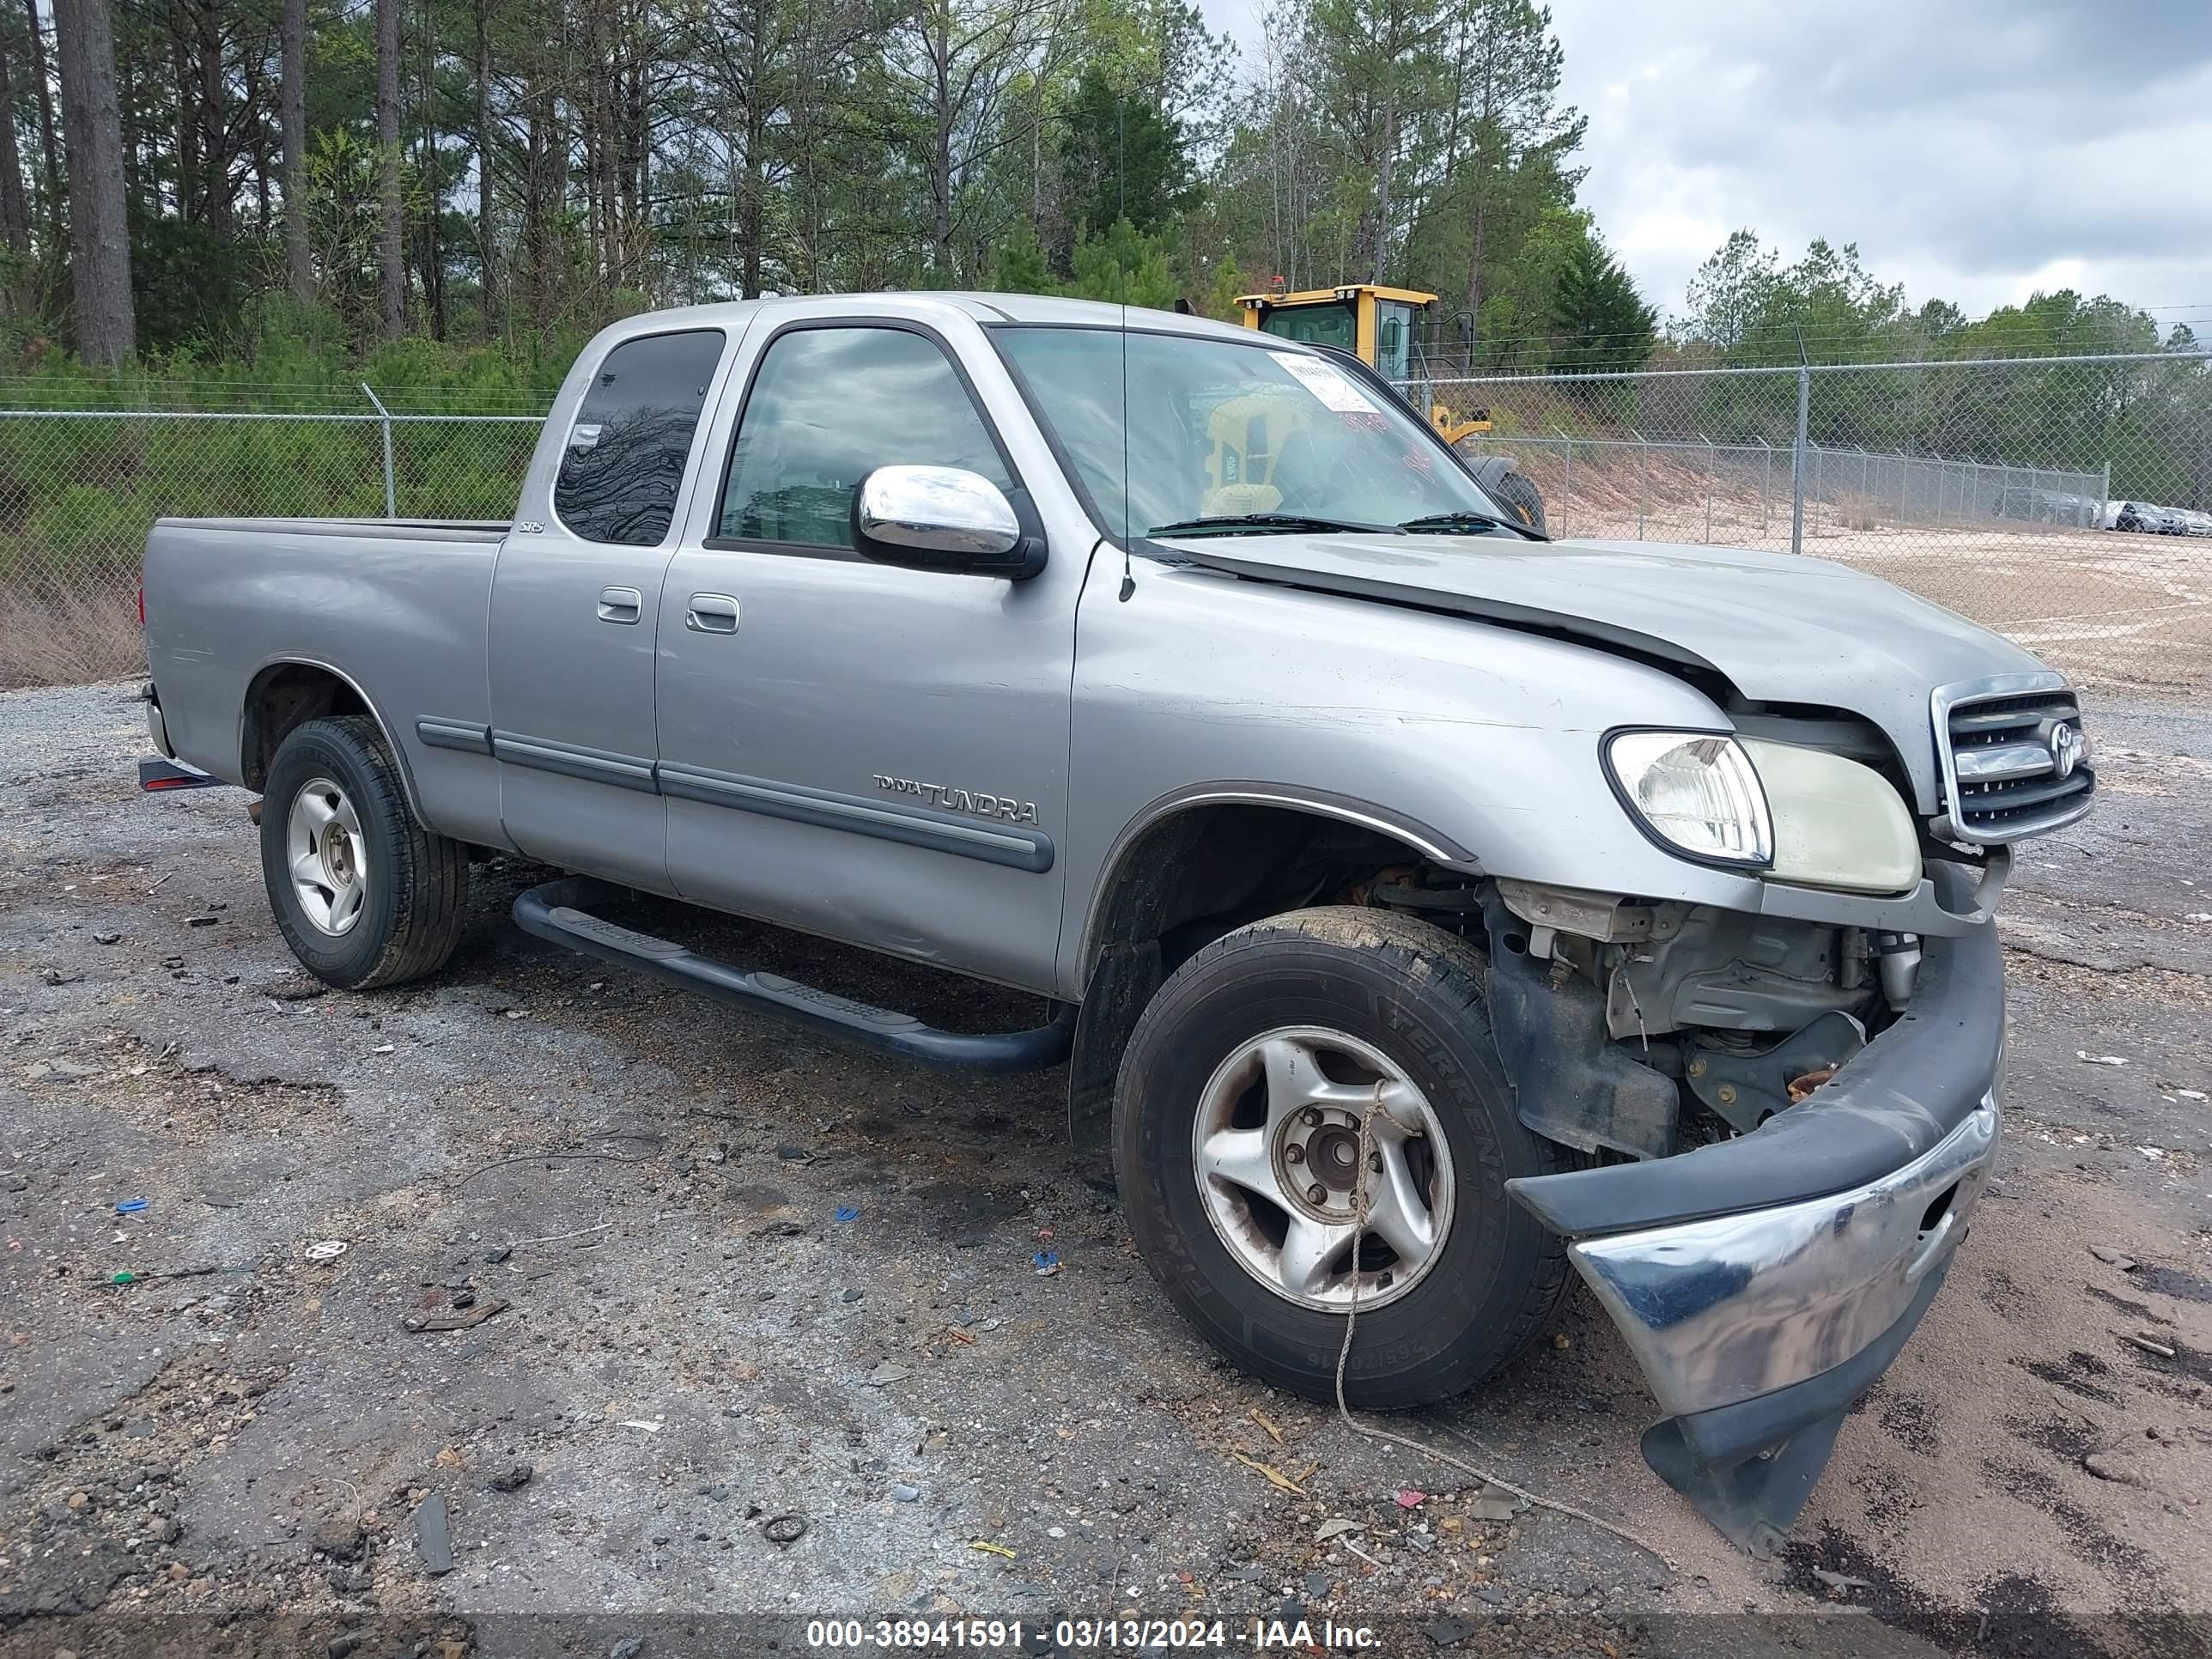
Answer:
x=556 y=911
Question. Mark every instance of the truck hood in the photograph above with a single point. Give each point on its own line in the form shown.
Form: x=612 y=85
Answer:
x=1778 y=628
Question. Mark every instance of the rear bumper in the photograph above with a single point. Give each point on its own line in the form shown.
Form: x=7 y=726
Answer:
x=157 y=727
x=1765 y=1284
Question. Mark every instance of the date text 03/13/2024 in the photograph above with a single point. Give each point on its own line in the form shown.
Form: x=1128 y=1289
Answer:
x=1104 y=1635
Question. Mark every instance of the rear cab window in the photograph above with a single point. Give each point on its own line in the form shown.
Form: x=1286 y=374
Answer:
x=625 y=459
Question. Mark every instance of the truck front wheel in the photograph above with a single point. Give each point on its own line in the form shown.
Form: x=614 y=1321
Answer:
x=1238 y=1122
x=363 y=894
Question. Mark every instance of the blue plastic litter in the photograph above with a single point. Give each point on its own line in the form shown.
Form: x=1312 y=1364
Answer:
x=1048 y=1262
x=131 y=1206
x=848 y=1212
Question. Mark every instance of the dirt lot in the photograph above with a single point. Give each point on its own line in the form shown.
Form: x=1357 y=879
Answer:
x=693 y=1340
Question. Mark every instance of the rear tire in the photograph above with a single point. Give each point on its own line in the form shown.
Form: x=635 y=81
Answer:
x=1408 y=996
x=363 y=894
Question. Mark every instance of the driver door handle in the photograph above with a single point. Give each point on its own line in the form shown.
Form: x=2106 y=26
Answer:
x=623 y=605
x=712 y=613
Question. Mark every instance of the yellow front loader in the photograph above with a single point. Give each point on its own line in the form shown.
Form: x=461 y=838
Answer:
x=1376 y=324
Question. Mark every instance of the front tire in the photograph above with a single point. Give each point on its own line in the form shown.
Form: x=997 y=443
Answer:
x=1517 y=491
x=1241 y=1084
x=363 y=895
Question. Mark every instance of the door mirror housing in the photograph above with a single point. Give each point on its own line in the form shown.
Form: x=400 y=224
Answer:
x=942 y=517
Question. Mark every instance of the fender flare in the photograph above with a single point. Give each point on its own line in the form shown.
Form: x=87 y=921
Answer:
x=263 y=670
x=1431 y=842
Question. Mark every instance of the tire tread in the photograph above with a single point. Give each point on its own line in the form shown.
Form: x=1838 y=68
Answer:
x=1451 y=970
x=429 y=872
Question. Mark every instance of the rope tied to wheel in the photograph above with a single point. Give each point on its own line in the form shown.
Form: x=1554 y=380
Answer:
x=1361 y=1205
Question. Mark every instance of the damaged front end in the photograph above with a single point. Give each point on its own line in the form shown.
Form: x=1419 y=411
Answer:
x=1788 y=1121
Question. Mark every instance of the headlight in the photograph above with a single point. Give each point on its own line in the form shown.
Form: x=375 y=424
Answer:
x=1697 y=792
x=1836 y=823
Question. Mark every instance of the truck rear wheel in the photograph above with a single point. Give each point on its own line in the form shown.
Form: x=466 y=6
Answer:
x=1237 y=1123
x=363 y=894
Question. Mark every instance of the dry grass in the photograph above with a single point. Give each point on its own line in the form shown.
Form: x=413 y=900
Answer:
x=2101 y=605
x=53 y=633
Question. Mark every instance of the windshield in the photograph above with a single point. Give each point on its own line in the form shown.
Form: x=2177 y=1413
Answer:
x=1219 y=430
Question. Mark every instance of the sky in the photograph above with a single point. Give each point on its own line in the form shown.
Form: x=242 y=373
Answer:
x=1976 y=150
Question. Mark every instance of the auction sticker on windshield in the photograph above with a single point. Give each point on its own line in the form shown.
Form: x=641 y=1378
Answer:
x=1327 y=382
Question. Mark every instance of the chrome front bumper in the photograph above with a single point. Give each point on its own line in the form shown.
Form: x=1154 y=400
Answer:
x=1764 y=1283
x=1721 y=1310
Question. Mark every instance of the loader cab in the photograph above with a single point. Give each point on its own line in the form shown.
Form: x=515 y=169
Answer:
x=1376 y=323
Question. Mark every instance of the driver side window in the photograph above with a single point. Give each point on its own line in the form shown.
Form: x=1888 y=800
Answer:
x=827 y=407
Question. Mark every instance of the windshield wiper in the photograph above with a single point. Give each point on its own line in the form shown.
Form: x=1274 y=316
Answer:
x=1233 y=523
x=1453 y=524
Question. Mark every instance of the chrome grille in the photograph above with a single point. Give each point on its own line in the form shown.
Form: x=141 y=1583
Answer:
x=2013 y=758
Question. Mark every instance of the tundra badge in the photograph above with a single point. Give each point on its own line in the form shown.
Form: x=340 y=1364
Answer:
x=972 y=801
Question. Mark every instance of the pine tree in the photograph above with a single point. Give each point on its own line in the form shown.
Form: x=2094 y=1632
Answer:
x=1604 y=322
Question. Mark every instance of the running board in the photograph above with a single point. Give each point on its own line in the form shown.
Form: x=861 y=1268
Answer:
x=556 y=911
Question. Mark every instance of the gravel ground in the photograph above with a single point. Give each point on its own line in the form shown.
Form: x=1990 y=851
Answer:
x=636 y=1204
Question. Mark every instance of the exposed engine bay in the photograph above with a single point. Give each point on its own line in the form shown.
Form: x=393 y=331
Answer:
x=1647 y=1029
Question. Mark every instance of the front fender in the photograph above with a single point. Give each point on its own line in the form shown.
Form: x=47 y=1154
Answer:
x=1477 y=745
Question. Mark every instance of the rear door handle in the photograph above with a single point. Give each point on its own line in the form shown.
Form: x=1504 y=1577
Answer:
x=621 y=604
x=712 y=613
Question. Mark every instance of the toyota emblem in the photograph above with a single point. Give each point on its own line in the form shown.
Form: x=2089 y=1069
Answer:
x=2065 y=745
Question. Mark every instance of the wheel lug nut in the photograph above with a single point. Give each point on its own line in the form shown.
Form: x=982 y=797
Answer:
x=1374 y=1162
x=1294 y=1153
x=1310 y=1117
x=1317 y=1194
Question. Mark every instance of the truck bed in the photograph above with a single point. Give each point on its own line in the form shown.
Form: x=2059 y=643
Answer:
x=395 y=607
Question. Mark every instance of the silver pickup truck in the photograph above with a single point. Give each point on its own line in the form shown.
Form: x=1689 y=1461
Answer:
x=1425 y=907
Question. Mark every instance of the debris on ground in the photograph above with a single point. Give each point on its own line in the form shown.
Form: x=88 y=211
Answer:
x=1496 y=1504
x=434 y=1536
x=784 y=1529
x=514 y=1479
x=462 y=1318
x=1275 y=1477
x=2088 y=1058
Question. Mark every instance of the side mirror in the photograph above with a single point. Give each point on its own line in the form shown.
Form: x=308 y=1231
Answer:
x=942 y=517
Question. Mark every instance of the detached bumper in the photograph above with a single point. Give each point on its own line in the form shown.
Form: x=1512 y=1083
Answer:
x=1765 y=1283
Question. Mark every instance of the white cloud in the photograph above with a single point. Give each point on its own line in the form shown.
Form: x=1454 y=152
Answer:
x=1976 y=150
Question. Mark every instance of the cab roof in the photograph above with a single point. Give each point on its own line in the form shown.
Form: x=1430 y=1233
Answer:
x=984 y=308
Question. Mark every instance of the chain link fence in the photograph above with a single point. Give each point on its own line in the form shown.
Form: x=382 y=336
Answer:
x=2064 y=501
x=79 y=489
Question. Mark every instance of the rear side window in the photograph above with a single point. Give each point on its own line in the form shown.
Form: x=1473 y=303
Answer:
x=828 y=407
x=626 y=452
